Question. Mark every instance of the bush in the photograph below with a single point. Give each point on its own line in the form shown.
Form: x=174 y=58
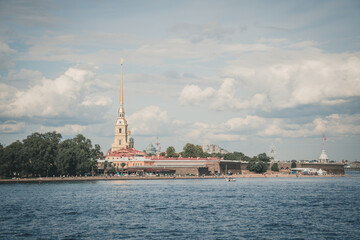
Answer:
x=275 y=167
x=257 y=166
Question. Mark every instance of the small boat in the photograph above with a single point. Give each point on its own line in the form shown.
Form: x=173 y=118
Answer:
x=230 y=179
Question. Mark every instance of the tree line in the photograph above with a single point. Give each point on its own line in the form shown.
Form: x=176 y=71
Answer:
x=256 y=164
x=45 y=154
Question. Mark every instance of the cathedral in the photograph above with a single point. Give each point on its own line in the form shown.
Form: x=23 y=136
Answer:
x=122 y=134
x=123 y=144
x=125 y=159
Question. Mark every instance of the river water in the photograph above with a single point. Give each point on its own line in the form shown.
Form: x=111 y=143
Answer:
x=250 y=208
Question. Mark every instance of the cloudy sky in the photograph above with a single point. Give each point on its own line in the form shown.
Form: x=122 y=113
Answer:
x=240 y=74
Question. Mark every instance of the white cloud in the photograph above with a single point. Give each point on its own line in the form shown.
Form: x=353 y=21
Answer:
x=22 y=78
x=63 y=96
x=149 y=121
x=153 y=121
x=193 y=95
x=224 y=98
x=335 y=125
x=249 y=121
x=209 y=133
x=68 y=129
x=12 y=127
x=280 y=79
x=96 y=101
x=6 y=56
x=4 y=48
x=65 y=47
x=200 y=32
x=287 y=79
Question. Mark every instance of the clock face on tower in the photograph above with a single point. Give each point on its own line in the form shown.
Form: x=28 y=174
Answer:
x=120 y=122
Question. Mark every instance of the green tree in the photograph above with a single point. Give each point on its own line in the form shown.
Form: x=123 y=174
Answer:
x=255 y=165
x=2 y=161
x=170 y=152
x=246 y=158
x=251 y=165
x=275 y=167
x=66 y=160
x=122 y=166
x=112 y=170
x=77 y=156
x=43 y=154
x=191 y=150
x=263 y=157
x=14 y=161
x=234 y=156
x=105 y=164
x=41 y=150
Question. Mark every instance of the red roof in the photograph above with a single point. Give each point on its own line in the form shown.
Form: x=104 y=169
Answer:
x=126 y=152
x=132 y=152
x=178 y=158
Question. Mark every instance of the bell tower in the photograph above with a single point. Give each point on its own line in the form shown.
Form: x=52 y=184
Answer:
x=122 y=134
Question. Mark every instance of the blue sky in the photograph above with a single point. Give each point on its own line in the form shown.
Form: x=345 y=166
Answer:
x=240 y=74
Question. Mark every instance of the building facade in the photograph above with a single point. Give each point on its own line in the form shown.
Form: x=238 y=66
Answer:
x=122 y=138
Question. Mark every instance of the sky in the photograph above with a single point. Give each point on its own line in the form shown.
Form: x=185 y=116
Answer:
x=243 y=75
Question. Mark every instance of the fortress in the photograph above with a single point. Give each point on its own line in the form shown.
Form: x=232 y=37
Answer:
x=124 y=158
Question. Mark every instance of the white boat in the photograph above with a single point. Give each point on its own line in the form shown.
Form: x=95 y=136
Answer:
x=229 y=179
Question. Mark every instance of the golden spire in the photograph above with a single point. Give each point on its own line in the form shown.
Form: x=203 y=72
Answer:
x=121 y=86
x=121 y=108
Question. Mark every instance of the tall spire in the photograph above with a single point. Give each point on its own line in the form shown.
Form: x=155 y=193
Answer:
x=121 y=86
x=121 y=108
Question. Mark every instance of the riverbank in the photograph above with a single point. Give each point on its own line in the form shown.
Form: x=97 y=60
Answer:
x=109 y=178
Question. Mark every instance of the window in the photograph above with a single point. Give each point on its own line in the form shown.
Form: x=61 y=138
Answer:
x=119 y=142
x=119 y=130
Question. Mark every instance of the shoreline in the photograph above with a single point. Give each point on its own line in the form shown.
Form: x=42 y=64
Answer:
x=111 y=178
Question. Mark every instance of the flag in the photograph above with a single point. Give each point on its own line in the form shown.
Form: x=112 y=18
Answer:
x=324 y=137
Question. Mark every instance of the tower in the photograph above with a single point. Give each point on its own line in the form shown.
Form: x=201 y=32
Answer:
x=122 y=134
x=272 y=153
x=323 y=157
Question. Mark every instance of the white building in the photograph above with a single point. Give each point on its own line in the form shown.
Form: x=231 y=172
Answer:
x=212 y=148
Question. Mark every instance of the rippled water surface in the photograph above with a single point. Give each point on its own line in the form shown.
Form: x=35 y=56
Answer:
x=250 y=208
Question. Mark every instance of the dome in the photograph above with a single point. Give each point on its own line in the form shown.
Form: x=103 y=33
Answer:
x=150 y=149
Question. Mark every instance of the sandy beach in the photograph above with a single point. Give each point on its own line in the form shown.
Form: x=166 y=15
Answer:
x=109 y=178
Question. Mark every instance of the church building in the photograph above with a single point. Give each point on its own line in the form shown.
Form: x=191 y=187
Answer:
x=123 y=144
x=124 y=158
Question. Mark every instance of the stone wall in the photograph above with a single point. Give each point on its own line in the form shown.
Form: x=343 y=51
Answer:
x=331 y=168
x=214 y=167
x=186 y=170
x=231 y=166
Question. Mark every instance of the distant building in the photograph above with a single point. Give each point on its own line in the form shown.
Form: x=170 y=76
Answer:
x=323 y=157
x=149 y=165
x=150 y=149
x=212 y=148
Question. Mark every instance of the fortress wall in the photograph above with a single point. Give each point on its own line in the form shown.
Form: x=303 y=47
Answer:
x=234 y=167
x=186 y=170
x=331 y=168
